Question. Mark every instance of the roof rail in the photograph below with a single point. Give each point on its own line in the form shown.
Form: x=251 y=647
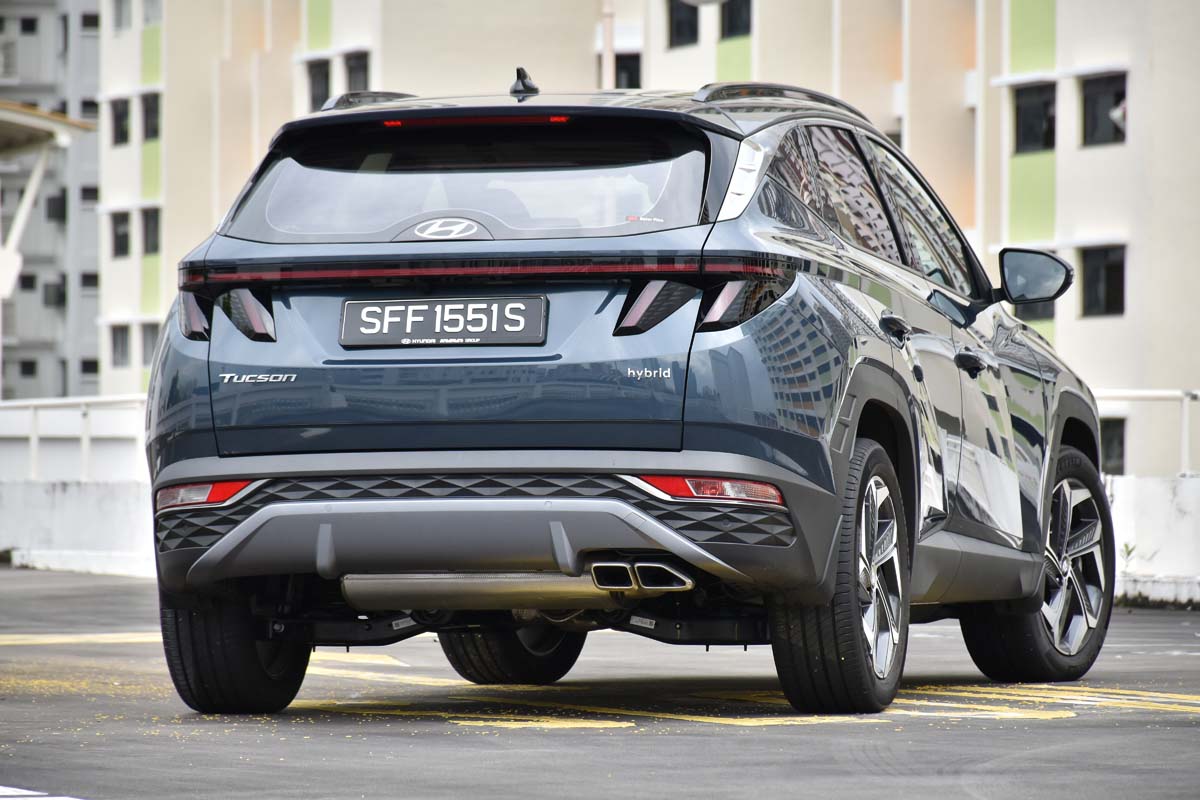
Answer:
x=711 y=92
x=352 y=99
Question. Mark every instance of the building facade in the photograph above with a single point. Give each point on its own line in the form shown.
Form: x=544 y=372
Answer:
x=49 y=51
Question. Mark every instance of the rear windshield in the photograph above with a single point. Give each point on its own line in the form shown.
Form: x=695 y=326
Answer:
x=573 y=177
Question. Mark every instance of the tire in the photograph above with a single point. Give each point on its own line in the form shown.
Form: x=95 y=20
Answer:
x=822 y=654
x=220 y=667
x=1013 y=648
x=535 y=654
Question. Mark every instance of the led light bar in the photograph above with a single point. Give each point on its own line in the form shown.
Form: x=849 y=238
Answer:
x=197 y=494
x=687 y=487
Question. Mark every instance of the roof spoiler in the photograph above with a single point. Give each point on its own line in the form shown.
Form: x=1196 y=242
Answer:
x=712 y=92
x=352 y=99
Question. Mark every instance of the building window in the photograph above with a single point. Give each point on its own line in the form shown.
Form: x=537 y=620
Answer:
x=735 y=18
x=1034 y=112
x=120 y=234
x=89 y=280
x=91 y=22
x=89 y=366
x=120 y=345
x=683 y=23
x=151 y=12
x=89 y=195
x=1103 y=281
x=28 y=282
x=1104 y=110
x=150 y=117
x=28 y=368
x=122 y=14
x=1034 y=312
x=358 y=67
x=150 y=228
x=1112 y=446
x=318 y=84
x=29 y=25
x=149 y=342
x=120 y=121
x=629 y=71
x=89 y=109
x=64 y=35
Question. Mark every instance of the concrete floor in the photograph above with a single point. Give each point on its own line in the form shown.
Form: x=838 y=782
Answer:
x=87 y=711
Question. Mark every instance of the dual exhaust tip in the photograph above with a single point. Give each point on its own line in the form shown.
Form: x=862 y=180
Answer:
x=618 y=576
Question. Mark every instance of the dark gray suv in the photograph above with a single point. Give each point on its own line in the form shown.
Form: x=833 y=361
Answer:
x=712 y=369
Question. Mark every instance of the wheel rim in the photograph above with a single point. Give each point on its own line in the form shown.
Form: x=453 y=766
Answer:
x=879 y=582
x=540 y=640
x=1073 y=599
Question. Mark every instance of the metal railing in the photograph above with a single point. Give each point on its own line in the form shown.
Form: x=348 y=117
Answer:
x=26 y=420
x=1182 y=397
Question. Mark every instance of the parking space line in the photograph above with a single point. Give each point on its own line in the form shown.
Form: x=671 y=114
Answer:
x=468 y=718
x=124 y=637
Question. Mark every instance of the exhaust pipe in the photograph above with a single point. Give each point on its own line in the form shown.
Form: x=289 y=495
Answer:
x=613 y=576
x=656 y=577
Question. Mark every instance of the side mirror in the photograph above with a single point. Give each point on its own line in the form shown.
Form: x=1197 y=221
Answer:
x=1033 y=276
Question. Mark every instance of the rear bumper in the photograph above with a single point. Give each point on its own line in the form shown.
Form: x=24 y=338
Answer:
x=489 y=511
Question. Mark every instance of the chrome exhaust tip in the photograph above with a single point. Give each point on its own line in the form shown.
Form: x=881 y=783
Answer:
x=613 y=576
x=662 y=577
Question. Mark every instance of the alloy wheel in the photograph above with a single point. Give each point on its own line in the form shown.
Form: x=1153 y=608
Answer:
x=1075 y=571
x=879 y=582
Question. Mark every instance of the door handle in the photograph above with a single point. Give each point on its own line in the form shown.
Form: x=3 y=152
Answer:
x=896 y=327
x=970 y=362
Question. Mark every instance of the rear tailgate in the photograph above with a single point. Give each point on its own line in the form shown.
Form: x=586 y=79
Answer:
x=588 y=385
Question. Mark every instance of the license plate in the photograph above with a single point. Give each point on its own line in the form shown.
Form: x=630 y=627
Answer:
x=444 y=322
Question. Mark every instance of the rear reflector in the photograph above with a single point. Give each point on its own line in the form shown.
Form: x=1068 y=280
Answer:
x=695 y=488
x=197 y=494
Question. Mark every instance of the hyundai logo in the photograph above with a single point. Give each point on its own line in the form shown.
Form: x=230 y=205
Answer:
x=445 y=228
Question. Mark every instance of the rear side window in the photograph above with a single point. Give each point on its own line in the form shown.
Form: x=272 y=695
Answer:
x=937 y=250
x=369 y=182
x=791 y=168
x=855 y=209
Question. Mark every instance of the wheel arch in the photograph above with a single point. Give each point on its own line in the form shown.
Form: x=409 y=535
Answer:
x=877 y=409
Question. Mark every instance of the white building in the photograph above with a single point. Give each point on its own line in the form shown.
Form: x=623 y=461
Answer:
x=49 y=51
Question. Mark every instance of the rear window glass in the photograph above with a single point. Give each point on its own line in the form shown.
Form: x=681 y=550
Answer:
x=367 y=182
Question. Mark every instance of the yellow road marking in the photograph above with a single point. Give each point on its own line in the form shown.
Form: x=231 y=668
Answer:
x=1079 y=698
x=925 y=708
x=1187 y=698
x=751 y=722
x=384 y=677
x=128 y=637
x=468 y=718
x=339 y=657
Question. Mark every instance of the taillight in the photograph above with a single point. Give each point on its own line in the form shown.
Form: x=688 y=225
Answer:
x=754 y=284
x=194 y=277
x=650 y=304
x=194 y=315
x=197 y=494
x=687 y=487
x=249 y=313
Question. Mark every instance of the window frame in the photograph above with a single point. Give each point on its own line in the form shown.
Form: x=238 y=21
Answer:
x=308 y=74
x=981 y=288
x=727 y=21
x=1084 y=271
x=350 y=63
x=1017 y=149
x=1123 y=422
x=151 y=102
x=126 y=238
x=120 y=132
x=127 y=355
x=151 y=222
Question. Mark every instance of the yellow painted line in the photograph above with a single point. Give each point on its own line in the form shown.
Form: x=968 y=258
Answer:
x=1082 y=698
x=1187 y=698
x=746 y=722
x=924 y=708
x=384 y=677
x=33 y=639
x=341 y=657
x=467 y=718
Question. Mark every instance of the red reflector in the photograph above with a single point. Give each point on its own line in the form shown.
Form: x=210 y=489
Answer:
x=393 y=123
x=197 y=494
x=696 y=487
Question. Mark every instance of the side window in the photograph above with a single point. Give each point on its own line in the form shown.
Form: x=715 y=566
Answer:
x=936 y=248
x=791 y=169
x=855 y=206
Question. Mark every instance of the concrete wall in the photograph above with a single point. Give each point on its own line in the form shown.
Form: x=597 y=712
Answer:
x=83 y=527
